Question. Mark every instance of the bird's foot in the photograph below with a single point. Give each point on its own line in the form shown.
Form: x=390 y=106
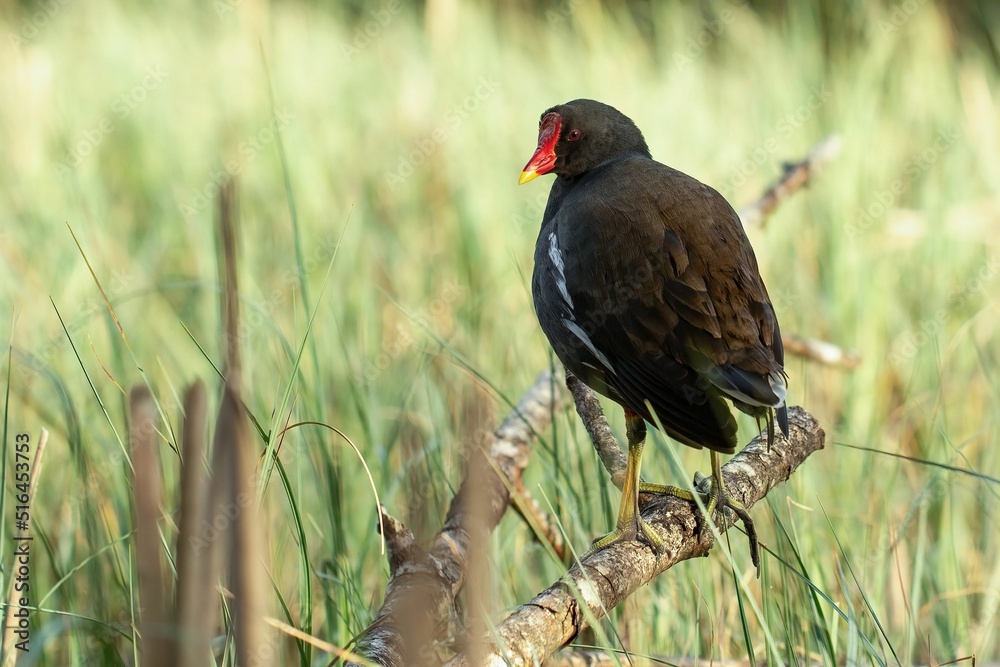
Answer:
x=632 y=526
x=715 y=498
x=635 y=528
x=719 y=500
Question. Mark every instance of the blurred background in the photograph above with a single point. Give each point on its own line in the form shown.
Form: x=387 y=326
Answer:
x=377 y=147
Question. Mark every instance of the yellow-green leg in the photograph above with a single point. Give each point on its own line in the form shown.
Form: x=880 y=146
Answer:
x=630 y=524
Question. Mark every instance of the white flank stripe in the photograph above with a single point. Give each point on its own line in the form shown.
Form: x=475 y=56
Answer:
x=575 y=329
x=557 y=260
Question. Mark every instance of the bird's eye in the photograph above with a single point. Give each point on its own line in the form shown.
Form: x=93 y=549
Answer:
x=573 y=135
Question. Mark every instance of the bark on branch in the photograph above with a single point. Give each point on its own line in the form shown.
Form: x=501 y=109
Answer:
x=603 y=579
x=419 y=605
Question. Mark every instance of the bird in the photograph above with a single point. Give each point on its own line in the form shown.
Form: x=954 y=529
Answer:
x=648 y=290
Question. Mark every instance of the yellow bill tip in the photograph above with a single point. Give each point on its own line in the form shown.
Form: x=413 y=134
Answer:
x=527 y=175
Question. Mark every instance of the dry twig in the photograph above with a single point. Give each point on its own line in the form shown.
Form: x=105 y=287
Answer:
x=820 y=351
x=795 y=176
x=539 y=520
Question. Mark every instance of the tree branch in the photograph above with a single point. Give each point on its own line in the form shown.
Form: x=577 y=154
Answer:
x=603 y=579
x=419 y=604
x=608 y=448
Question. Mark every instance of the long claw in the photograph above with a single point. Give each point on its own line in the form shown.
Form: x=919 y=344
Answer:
x=720 y=499
x=751 y=535
x=716 y=499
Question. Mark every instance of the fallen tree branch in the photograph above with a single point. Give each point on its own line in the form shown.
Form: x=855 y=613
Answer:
x=603 y=579
x=419 y=604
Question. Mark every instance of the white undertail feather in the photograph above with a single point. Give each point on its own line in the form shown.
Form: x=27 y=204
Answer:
x=778 y=386
x=776 y=381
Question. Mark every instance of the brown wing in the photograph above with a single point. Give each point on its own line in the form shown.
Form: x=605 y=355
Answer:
x=673 y=301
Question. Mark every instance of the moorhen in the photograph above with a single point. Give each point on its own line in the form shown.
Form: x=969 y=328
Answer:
x=648 y=290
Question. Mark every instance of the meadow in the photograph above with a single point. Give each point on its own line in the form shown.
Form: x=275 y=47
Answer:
x=383 y=236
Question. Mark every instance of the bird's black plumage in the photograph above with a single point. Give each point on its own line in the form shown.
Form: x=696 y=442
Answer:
x=647 y=287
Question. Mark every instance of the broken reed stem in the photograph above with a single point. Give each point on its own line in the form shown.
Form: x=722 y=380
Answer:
x=197 y=599
x=154 y=628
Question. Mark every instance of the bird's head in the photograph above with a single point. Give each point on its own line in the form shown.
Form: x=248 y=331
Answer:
x=575 y=137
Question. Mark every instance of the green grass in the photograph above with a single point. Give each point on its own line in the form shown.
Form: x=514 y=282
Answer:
x=401 y=156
